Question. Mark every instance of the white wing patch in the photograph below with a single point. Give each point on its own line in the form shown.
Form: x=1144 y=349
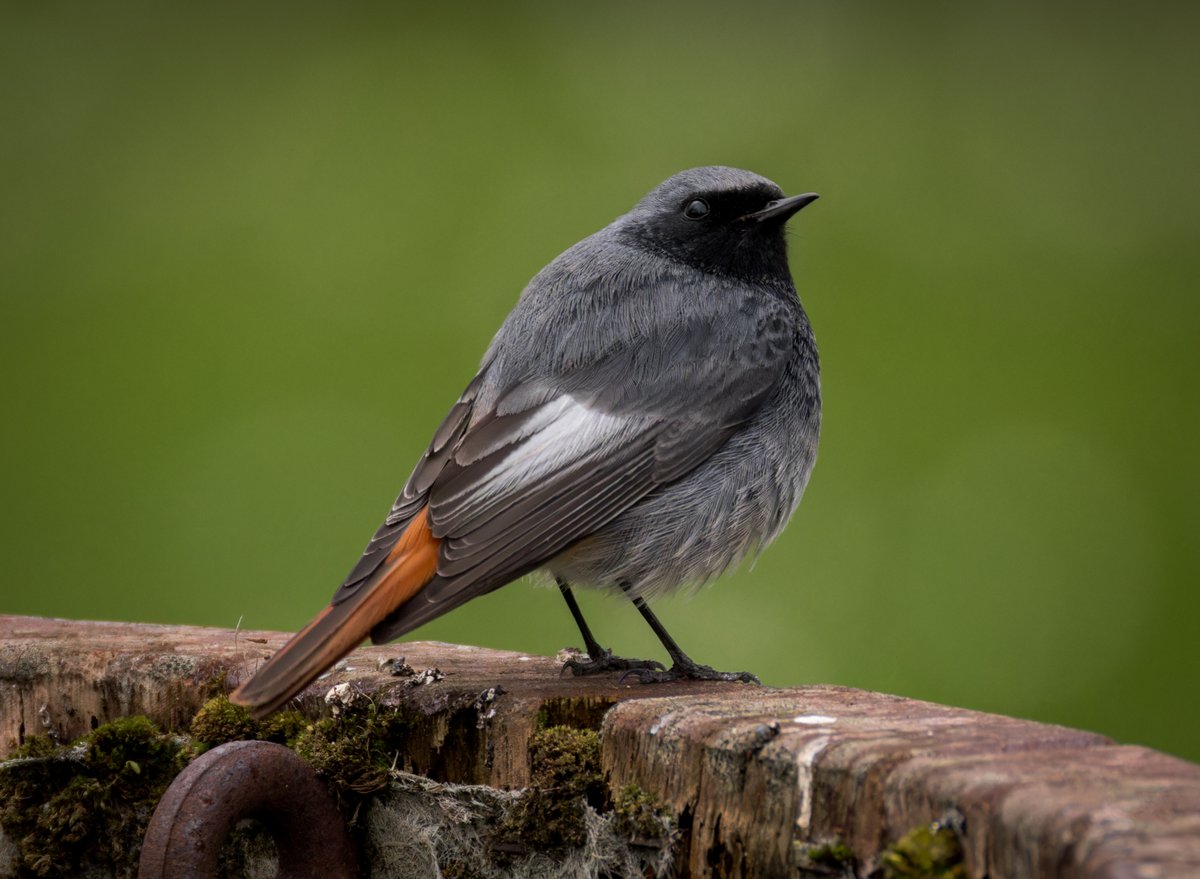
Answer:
x=565 y=433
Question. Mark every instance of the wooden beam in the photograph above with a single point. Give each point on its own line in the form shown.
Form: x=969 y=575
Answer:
x=759 y=776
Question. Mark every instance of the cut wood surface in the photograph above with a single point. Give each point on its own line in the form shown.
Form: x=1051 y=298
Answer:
x=758 y=776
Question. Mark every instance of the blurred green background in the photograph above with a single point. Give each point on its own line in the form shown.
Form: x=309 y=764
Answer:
x=251 y=254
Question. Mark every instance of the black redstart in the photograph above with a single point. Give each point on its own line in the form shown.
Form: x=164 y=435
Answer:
x=646 y=417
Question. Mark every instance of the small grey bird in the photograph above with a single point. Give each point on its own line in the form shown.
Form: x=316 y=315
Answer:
x=646 y=417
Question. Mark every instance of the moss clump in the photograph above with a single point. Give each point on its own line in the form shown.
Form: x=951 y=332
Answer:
x=567 y=760
x=639 y=817
x=283 y=727
x=929 y=852
x=354 y=752
x=220 y=721
x=834 y=858
x=86 y=807
x=71 y=810
x=34 y=747
x=566 y=778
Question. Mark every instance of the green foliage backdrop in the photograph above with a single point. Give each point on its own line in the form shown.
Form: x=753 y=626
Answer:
x=249 y=254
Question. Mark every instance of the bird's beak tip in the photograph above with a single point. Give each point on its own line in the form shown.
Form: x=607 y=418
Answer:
x=783 y=208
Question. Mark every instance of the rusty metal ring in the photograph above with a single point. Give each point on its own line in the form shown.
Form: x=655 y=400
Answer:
x=239 y=780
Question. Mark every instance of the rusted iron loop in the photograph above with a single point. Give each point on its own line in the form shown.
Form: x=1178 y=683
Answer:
x=239 y=780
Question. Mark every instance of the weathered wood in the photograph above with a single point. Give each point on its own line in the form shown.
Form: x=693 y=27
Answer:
x=825 y=763
x=65 y=677
x=757 y=775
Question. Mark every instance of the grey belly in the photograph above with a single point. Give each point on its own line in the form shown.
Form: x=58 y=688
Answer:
x=689 y=531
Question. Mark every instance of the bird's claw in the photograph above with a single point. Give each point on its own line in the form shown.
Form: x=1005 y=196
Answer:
x=605 y=661
x=689 y=672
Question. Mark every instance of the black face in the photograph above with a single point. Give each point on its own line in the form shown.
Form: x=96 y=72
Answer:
x=715 y=229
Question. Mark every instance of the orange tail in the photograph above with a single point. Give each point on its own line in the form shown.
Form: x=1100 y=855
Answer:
x=341 y=627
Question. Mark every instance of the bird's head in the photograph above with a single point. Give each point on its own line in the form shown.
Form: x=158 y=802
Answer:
x=720 y=220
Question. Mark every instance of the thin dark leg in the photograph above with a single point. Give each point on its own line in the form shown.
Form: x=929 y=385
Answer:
x=682 y=666
x=590 y=644
x=598 y=659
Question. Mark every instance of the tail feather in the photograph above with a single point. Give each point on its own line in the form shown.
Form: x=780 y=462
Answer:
x=341 y=627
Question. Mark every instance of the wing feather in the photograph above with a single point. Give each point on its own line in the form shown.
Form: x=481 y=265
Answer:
x=518 y=554
x=548 y=443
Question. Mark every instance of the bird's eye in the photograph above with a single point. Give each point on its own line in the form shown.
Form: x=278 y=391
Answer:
x=697 y=209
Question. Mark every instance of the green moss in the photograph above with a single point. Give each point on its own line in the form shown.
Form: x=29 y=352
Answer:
x=217 y=684
x=929 y=852
x=86 y=807
x=219 y=721
x=565 y=778
x=354 y=751
x=568 y=760
x=35 y=746
x=830 y=854
x=282 y=727
x=640 y=817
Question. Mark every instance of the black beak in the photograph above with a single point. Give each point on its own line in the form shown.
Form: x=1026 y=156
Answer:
x=783 y=208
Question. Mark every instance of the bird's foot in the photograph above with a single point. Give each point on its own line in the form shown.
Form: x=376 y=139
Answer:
x=687 y=670
x=580 y=664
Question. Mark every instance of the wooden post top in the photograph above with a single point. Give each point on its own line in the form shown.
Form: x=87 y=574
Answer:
x=761 y=775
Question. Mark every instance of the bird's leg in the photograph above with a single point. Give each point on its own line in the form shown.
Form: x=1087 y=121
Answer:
x=598 y=659
x=590 y=644
x=682 y=666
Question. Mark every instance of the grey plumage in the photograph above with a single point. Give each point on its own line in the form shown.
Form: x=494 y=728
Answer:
x=646 y=416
